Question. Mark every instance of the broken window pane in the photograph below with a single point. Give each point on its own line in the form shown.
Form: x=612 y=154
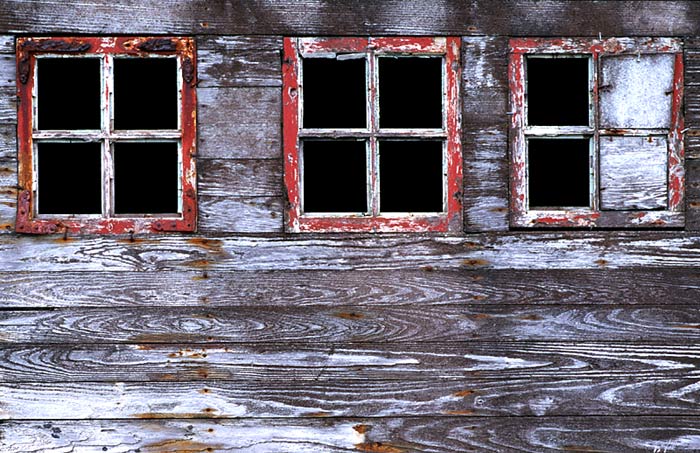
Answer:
x=410 y=92
x=334 y=93
x=633 y=172
x=68 y=93
x=334 y=176
x=69 y=178
x=410 y=176
x=558 y=172
x=145 y=178
x=557 y=91
x=145 y=93
x=636 y=91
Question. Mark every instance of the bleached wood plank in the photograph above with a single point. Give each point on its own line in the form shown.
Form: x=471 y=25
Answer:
x=538 y=250
x=338 y=398
x=359 y=362
x=240 y=214
x=8 y=105
x=242 y=123
x=447 y=434
x=316 y=17
x=240 y=177
x=258 y=68
x=633 y=173
x=341 y=324
x=360 y=289
x=8 y=70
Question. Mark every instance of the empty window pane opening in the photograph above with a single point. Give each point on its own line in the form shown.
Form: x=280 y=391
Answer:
x=558 y=172
x=108 y=135
x=558 y=90
x=377 y=133
x=586 y=114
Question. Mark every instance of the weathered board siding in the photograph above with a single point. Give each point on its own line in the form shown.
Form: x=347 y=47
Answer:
x=244 y=338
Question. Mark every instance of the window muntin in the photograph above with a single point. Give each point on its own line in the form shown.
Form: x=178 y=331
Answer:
x=366 y=76
x=131 y=101
x=630 y=184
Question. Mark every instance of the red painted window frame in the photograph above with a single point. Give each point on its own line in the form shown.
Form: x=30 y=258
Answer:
x=448 y=221
x=593 y=217
x=27 y=50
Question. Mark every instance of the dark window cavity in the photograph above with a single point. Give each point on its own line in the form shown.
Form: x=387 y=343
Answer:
x=334 y=93
x=410 y=92
x=558 y=172
x=335 y=176
x=557 y=91
x=145 y=178
x=410 y=176
x=77 y=187
x=68 y=93
x=145 y=93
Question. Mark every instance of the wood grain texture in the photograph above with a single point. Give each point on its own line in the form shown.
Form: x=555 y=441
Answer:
x=241 y=123
x=633 y=173
x=447 y=434
x=240 y=214
x=692 y=193
x=421 y=17
x=349 y=324
x=340 y=398
x=8 y=186
x=8 y=143
x=315 y=362
x=8 y=70
x=8 y=105
x=537 y=250
x=240 y=177
x=387 y=288
x=485 y=141
x=7 y=44
x=253 y=68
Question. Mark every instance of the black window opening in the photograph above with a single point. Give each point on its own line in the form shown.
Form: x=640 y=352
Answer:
x=558 y=172
x=558 y=91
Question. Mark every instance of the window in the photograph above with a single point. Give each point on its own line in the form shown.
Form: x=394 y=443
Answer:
x=596 y=132
x=106 y=135
x=371 y=134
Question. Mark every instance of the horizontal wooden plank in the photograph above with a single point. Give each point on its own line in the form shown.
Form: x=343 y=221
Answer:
x=240 y=215
x=240 y=177
x=389 y=435
x=7 y=44
x=8 y=70
x=263 y=324
x=241 y=43
x=253 y=68
x=338 y=398
x=644 y=185
x=242 y=123
x=8 y=142
x=446 y=434
x=8 y=189
x=566 y=18
x=206 y=288
x=692 y=173
x=330 y=362
x=8 y=105
x=536 y=250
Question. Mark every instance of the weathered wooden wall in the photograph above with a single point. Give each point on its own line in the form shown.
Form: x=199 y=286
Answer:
x=244 y=338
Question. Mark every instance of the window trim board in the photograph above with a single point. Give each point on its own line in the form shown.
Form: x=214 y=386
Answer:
x=448 y=221
x=520 y=215
x=184 y=49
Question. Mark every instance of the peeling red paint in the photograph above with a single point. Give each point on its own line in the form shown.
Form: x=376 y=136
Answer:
x=521 y=216
x=184 y=50
x=294 y=50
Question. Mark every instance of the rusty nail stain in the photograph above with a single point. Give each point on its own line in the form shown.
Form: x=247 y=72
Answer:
x=378 y=447
x=531 y=318
x=601 y=262
x=475 y=262
x=204 y=391
x=462 y=412
x=428 y=268
x=319 y=414
x=350 y=315
x=481 y=316
x=478 y=297
x=362 y=428
x=463 y=393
